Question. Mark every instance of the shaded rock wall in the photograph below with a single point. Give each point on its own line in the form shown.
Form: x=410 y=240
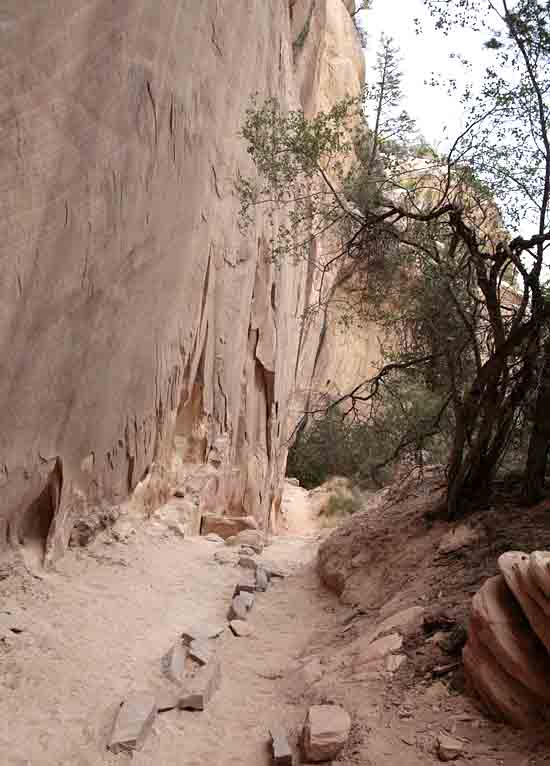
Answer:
x=144 y=339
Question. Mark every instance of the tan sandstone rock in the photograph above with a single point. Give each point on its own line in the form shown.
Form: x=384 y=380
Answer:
x=505 y=698
x=325 y=732
x=501 y=626
x=514 y=565
x=539 y=567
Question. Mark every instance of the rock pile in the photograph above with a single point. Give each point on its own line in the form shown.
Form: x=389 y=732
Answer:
x=192 y=664
x=506 y=658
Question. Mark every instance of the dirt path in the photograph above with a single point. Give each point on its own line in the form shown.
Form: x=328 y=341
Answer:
x=97 y=628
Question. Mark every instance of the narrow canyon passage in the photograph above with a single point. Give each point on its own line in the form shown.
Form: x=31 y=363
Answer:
x=98 y=627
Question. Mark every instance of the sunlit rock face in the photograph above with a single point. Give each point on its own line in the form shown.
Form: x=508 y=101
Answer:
x=147 y=343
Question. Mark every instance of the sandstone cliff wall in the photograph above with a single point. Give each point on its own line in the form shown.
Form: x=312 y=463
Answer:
x=145 y=341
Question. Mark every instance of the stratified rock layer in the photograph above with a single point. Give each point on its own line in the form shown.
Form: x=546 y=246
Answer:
x=146 y=342
x=506 y=657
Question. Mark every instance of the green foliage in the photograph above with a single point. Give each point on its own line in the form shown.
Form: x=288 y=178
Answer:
x=342 y=504
x=406 y=422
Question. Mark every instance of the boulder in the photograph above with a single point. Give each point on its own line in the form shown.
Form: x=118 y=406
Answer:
x=505 y=698
x=539 y=567
x=199 y=689
x=515 y=568
x=501 y=626
x=133 y=723
x=226 y=526
x=247 y=599
x=325 y=732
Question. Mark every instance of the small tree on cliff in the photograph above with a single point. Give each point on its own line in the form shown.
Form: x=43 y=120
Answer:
x=447 y=306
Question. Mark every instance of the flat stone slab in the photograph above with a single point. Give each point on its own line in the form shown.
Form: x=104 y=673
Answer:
x=238 y=609
x=200 y=651
x=200 y=688
x=201 y=633
x=214 y=538
x=241 y=628
x=282 y=754
x=133 y=723
x=173 y=662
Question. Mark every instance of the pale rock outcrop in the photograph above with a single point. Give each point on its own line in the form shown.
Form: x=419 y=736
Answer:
x=145 y=339
x=506 y=656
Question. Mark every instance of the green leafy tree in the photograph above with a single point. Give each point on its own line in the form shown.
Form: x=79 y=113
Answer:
x=423 y=245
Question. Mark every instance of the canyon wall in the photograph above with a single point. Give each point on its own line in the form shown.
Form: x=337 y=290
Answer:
x=147 y=343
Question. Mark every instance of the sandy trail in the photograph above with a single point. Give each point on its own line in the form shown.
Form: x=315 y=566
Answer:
x=98 y=626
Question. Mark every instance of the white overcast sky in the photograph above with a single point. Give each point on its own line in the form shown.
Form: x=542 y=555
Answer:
x=421 y=56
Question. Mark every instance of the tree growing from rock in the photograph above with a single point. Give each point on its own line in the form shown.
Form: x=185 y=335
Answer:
x=424 y=242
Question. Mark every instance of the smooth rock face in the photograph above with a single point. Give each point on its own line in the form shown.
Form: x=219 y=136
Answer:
x=199 y=689
x=325 y=732
x=133 y=723
x=118 y=232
